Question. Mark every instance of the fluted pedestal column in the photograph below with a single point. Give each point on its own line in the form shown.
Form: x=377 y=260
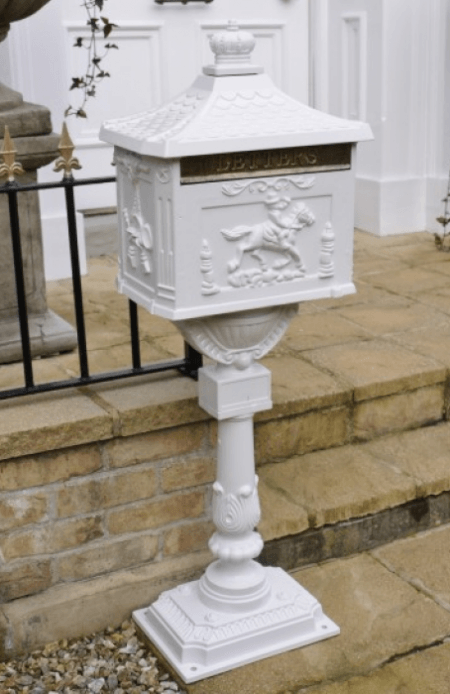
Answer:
x=239 y=611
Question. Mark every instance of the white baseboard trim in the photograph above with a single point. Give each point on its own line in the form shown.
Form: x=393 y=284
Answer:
x=390 y=207
x=436 y=190
x=55 y=241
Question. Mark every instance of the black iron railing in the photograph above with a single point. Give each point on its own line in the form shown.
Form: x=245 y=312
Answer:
x=188 y=365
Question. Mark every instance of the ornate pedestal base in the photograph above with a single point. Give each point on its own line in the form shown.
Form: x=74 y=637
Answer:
x=238 y=612
x=199 y=641
x=49 y=334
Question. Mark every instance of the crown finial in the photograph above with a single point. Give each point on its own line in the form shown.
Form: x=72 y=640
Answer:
x=232 y=49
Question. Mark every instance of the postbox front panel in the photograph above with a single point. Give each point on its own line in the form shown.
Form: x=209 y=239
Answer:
x=249 y=243
x=203 y=248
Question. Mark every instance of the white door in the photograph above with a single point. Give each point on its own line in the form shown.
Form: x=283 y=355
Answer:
x=162 y=48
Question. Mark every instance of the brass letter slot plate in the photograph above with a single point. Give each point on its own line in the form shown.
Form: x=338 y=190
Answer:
x=219 y=167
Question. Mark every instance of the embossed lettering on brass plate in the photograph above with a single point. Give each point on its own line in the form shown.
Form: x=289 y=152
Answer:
x=219 y=167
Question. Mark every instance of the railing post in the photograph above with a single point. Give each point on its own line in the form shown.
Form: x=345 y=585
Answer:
x=11 y=168
x=20 y=283
x=193 y=361
x=134 y=334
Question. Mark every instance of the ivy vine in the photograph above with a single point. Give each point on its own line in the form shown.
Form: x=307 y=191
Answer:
x=100 y=28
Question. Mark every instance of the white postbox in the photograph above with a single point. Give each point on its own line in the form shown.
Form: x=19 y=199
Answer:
x=236 y=203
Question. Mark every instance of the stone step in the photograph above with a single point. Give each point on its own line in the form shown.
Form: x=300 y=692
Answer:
x=392 y=605
x=342 y=501
x=365 y=529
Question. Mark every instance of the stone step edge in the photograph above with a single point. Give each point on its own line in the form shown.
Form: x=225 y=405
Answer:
x=41 y=423
x=356 y=535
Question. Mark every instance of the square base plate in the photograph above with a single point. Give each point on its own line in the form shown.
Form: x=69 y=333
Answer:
x=199 y=641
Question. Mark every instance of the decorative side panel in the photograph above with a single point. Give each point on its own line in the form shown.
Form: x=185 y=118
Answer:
x=166 y=280
x=354 y=68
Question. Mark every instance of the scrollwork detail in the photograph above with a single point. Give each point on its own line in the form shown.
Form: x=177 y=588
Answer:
x=263 y=185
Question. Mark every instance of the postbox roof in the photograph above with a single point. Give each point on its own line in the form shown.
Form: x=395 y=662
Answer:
x=230 y=108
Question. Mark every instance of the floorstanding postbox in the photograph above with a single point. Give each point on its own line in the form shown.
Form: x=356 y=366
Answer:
x=236 y=203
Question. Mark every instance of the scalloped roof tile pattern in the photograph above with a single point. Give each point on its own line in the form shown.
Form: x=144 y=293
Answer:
x=193 y=117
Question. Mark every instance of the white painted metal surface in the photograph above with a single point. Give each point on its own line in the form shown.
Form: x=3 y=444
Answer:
x=267 y=221
x=235 y=203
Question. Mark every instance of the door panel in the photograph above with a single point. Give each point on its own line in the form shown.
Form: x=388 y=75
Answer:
x=162 y=48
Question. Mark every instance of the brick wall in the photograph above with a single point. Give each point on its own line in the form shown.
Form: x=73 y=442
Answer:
x=94 y=509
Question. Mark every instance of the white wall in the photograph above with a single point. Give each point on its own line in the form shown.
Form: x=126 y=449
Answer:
x=387 y=63
x=161 y=51
x=381 y=60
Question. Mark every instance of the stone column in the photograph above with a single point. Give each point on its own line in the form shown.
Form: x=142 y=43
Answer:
x=30 y=126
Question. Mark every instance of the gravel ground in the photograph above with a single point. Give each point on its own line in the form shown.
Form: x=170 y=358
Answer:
x=113 y=661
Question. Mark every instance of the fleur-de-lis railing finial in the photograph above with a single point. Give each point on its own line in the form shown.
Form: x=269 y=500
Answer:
x=66 y=162
x=10 y=167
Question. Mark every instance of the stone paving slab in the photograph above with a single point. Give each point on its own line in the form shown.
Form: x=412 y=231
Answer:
x=423 y=561
x=391 y=471
x=438 y=298
x=51 y=421
x=151 y=402
x=386 y=319
x=422 y=673
x=309 y=331
x=298 y=386
x=380 y=615
x=323 y=484
x=376 y=368
x=410 y=282
x=423 y=455
x=432 y=341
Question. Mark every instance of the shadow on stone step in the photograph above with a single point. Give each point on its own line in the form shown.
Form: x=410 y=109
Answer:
x=357 y=535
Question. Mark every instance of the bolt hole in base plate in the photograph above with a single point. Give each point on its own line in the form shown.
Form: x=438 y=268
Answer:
x=196 y=648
